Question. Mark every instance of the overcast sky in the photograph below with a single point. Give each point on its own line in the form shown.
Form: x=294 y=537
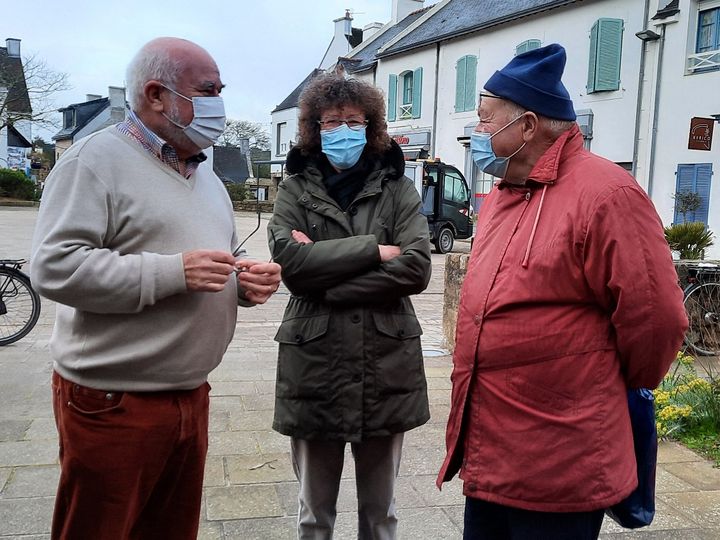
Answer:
x=264 y=48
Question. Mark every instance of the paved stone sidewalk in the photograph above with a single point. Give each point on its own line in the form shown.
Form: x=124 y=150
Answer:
x=250 y=489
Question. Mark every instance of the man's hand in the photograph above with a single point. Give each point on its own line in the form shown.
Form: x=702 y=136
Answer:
x=258 y=279
x=207 y=270
x=300 y=237
x=388 y=252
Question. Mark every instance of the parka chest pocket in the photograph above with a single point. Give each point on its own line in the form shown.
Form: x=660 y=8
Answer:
x=303 y=357
x=398 y=353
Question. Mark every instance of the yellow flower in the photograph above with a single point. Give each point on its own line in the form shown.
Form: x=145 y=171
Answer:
x=672 y=412
x=662 y=398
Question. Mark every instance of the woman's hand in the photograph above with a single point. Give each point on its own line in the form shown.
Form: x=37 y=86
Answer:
x=300 y=237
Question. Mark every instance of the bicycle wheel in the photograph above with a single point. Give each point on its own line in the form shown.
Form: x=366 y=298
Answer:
x=702 y=303
x=19 y=306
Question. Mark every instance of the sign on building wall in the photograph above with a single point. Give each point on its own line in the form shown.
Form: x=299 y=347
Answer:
x=418 y=138
x=16 y=158
x=701 y=132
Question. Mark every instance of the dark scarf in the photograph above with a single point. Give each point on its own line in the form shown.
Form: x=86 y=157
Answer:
x=343 y=186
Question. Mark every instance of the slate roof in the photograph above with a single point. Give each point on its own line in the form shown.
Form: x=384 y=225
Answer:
x=15 y=138
x=230 y=164
x=459 y=17
x=356 y=38
x=12 y=72
x=292 y=100
x=84 y=112
x=366 y=57
x=668 y=11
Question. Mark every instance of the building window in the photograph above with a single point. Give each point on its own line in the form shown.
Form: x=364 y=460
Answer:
x=68 y=118
x=527 y=45
x=409 y=85
x=585 y=123
x=282 y=146
x=707 y=42
x=605 y=55
x=694 y=178
x=465 y=77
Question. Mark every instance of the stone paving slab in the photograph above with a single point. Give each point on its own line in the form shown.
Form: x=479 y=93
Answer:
x=250 y=492
x=242 y=502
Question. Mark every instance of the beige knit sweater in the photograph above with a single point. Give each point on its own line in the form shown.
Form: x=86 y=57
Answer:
x=113 y=224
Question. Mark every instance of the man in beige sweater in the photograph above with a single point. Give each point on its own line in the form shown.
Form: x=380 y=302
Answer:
x=135 y=242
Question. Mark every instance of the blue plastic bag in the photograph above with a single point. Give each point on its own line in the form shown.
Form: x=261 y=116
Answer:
x=638 y=509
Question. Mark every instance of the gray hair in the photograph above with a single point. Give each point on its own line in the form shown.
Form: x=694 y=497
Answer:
x=150 y=63
x=553 y=125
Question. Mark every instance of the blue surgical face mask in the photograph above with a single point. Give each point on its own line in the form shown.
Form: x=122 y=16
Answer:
x=484 y=155
x=208 y=121
x=343 y=145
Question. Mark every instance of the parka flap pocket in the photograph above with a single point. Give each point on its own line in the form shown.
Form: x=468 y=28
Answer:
x=397 y=325
x=299 y=330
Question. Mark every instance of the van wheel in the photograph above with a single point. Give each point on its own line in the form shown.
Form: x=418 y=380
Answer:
x=444 y=241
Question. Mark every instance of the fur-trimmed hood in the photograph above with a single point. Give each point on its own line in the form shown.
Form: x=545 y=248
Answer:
x=393 y=160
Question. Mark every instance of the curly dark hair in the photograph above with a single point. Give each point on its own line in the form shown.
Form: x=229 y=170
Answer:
x=328 y=91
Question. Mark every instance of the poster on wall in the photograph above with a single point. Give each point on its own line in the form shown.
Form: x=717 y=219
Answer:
x=16 y=158
x=701 y=132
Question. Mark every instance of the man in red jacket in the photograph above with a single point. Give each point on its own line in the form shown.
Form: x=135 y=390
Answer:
x=570 y=299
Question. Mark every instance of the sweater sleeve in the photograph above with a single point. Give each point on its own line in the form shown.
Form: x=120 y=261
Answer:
x=629 y=267
x=72 y=261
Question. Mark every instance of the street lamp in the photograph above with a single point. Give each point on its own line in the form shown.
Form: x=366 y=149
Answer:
x=647 y=35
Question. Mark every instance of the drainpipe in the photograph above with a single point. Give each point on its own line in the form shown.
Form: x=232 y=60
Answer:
x=435 y=100
x=638 y=107
x=656 y=111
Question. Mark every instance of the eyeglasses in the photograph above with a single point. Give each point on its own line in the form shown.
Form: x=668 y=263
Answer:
x=352 y=123
x=482 y=95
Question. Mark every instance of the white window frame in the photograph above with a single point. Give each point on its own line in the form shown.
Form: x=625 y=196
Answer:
x=697 y=63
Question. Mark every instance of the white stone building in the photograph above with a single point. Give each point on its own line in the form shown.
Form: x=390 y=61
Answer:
x=681 y=82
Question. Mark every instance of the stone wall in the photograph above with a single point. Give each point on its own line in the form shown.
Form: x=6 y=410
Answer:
x=266 y=207
x=455 y=268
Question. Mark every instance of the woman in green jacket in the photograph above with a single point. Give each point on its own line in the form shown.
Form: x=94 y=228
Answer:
x=353 y=245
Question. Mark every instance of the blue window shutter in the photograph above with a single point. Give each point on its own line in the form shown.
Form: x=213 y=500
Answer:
x=609 y=54
x=470 y=78
x=694 y=178
x=592 y=62
x=684 y=182
x=460 y=68
x=703 y=177
x=417 y=93
x=392 y=97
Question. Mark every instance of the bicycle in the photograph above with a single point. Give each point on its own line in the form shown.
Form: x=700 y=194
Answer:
x=702 y=303
x=19 y=302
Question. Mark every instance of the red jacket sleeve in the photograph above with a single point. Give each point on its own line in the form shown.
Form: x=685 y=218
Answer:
x=629 y=267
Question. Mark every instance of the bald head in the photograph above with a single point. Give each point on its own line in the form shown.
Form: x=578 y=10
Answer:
x=165 y=59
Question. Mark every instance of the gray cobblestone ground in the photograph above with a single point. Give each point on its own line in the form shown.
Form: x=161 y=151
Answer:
x=249 y=488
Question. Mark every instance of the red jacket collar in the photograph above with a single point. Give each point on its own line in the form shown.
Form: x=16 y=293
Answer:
x=546 y=168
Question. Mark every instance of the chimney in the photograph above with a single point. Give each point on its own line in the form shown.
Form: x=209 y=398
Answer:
x=343 y=26
x=117 y=103
x=92 y=97
x=403 y=8
x=371 y=29
x=13 y=47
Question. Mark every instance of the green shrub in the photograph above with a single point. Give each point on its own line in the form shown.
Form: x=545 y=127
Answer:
x=16 y=185
x=690 y=239
x=237 y=192
x=687 y=407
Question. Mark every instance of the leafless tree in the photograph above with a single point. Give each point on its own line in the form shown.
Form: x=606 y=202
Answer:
x=235 y=130
x=41 y=82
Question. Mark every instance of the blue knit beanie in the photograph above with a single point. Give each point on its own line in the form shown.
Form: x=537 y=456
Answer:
x=532 y=80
